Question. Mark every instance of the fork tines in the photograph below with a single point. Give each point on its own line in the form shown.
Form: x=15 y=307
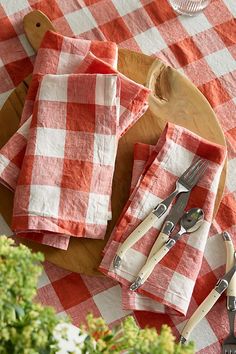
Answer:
x=229 y=349
x=195 y=171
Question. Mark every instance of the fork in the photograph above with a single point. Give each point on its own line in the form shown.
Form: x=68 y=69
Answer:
x=184 y=184
x=229 y=344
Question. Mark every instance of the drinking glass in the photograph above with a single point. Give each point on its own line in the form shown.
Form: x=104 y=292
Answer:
x=189 y=7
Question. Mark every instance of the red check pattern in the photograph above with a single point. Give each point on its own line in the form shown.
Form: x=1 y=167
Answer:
x=173 y=279
x=57 y=55
x=203 y=48
x=102 y=296
x=82 y=151
x=62 y=55
x=60 y=145
x=12 y=154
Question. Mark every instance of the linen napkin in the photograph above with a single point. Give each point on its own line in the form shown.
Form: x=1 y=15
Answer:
x=172 y=281
x=57 y=54
x=65 y=180
x=133 y=100
x=133 y=97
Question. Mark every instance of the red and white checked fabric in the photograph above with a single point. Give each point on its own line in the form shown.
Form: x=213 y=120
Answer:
x=64 y=185
x=133 y=103
x=11 y=156
x=57 y=55
x=203 y=48
x=173 y=279
x=98 y=295
x=62 y=55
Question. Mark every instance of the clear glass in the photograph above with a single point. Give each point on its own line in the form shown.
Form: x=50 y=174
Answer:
x=189 y=7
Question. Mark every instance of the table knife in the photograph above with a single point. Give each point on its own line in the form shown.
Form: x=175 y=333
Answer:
x=231 y=291
x=184 y=184
x=171 y=221
x=208 y=303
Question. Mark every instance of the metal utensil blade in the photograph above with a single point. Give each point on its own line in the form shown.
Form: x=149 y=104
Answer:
x=176 y=212
x=228 y=276
x=223 y=282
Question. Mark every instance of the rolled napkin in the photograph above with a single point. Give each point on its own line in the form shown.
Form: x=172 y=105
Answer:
x=56 y=55
x=173 y=279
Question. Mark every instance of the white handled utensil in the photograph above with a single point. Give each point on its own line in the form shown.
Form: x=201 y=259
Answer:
x=176 y=212
x=208 y=303
x=231 y=290
x=229 y=343
x=184 y=184
x=190 y=222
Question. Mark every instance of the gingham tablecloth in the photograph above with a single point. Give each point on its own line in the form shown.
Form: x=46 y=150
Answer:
x=202 y=47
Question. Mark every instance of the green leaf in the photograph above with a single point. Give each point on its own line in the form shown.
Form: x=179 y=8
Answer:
x=108 y=337
x=19 y=311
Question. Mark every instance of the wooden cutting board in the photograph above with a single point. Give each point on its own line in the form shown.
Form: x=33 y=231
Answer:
x=174 y=99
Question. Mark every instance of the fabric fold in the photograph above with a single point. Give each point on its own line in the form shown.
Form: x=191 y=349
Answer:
x=60 y=187
x=58 y=56
x=172 y=281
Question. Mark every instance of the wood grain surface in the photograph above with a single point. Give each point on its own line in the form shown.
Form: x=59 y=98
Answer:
x=174 y=99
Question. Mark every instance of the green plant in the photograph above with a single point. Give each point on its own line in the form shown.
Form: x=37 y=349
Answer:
x=128 y=338
x=29 y=328
x=25 y=327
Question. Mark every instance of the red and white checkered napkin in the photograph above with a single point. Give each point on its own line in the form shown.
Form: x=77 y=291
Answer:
x=60 y=54
x=57 y=55
x=133 y=97
x=173 y=279
x=11 y=156
x=65 y=181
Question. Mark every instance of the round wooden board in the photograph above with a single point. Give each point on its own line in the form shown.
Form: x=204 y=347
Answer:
x=174 y=99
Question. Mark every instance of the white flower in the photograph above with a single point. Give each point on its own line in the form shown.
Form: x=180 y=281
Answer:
x=70 y=339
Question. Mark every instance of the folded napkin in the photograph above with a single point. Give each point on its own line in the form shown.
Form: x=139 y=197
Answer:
x=133 y=97
x=11 y=156
x=65 y=180
x=61 y=55
x=131 y=105
x=57 y=54
x=173 y=279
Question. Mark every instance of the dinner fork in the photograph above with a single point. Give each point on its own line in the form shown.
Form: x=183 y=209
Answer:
x=229 y=344
x=184 y=184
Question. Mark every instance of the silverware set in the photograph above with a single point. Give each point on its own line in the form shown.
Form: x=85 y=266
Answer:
x=190 y=222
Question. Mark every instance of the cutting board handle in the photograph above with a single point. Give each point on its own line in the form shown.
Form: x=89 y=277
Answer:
x=36 y=24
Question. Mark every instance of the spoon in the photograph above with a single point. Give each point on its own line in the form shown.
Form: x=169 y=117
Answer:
x=190 y=222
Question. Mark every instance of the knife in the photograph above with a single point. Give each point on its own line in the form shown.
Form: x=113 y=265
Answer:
x=231 y=291
x=208 y=303
x=150 y=220
x=176 y=212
